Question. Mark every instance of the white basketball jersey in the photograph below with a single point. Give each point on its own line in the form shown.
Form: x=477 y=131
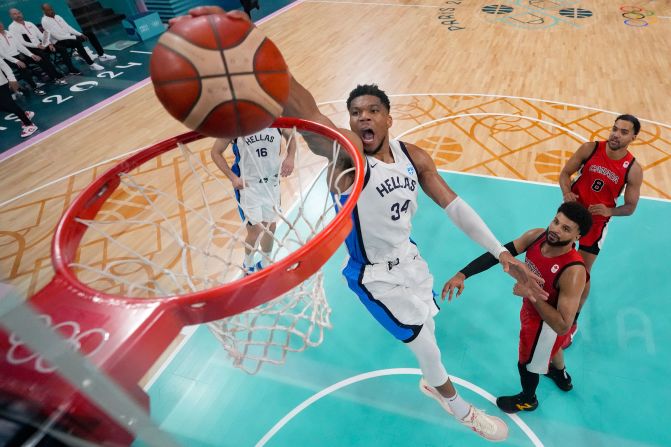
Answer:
x=257 y=156
x=383 y=214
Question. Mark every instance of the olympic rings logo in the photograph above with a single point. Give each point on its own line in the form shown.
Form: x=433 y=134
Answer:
x=636 y=16
x=19 y=353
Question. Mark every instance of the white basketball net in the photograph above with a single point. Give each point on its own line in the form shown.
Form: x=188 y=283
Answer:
x=172 y=227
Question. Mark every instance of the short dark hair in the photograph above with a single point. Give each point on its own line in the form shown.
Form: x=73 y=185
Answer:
x=577 y=213
x=632 y=119
x=369 y=89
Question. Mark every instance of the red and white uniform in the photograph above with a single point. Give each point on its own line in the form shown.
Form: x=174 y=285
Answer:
x=538 y=341
x=600 y=180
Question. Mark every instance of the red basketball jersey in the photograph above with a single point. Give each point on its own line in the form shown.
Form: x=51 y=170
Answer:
x=602 y=179
x=550 y=269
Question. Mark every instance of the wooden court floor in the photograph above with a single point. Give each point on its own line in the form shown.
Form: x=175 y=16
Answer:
x=496 y=96
x=507 y=89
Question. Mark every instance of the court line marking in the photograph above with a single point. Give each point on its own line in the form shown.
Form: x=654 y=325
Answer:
x=533 y=182
x=493 y=95
x=6 y=155
x=390 y=372
x=9 y=153
x=339 y=101
x=463 y=115
x=530 y=182
x=65 y=177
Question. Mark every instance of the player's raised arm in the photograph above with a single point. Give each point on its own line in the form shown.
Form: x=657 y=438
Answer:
x=468 y=221
x=300 y=104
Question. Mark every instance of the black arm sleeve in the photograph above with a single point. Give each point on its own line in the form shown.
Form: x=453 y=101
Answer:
x=486 y=261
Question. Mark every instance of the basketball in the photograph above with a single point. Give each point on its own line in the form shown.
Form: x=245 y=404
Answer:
x=219 y=76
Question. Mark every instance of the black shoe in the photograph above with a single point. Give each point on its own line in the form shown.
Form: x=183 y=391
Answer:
x=513 y=404
x=560 y=377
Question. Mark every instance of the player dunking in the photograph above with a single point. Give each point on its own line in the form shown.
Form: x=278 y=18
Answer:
x=255 y=176
x=605 y=168
x=545 y=325
x=385 y=268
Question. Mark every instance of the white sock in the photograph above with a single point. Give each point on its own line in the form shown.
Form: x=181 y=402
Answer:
x=249 y=259
x=458 y=405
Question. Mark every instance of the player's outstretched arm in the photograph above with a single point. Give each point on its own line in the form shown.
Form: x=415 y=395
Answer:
x=487 y=261
x=468 y=221
x=301 y=104
x=463 y=216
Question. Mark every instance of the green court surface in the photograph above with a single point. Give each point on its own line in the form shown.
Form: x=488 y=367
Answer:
x=619 y=362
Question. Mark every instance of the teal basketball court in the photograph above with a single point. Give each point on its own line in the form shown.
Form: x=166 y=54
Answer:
x=360 y=386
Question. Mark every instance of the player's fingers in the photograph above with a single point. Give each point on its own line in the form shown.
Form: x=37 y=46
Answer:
x=447 y=291
x=535 y=278
x=460 y=289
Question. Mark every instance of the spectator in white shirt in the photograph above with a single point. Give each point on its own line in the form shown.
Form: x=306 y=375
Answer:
x=18 y=57
x=65 y=36
x=55 y=24
x=7 y=85
x=37 y=55
x=34 y=40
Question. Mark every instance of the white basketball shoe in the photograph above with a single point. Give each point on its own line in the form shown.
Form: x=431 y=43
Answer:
x=489 y=427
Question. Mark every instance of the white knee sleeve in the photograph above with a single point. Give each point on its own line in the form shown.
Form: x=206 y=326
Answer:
x=426 y=350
